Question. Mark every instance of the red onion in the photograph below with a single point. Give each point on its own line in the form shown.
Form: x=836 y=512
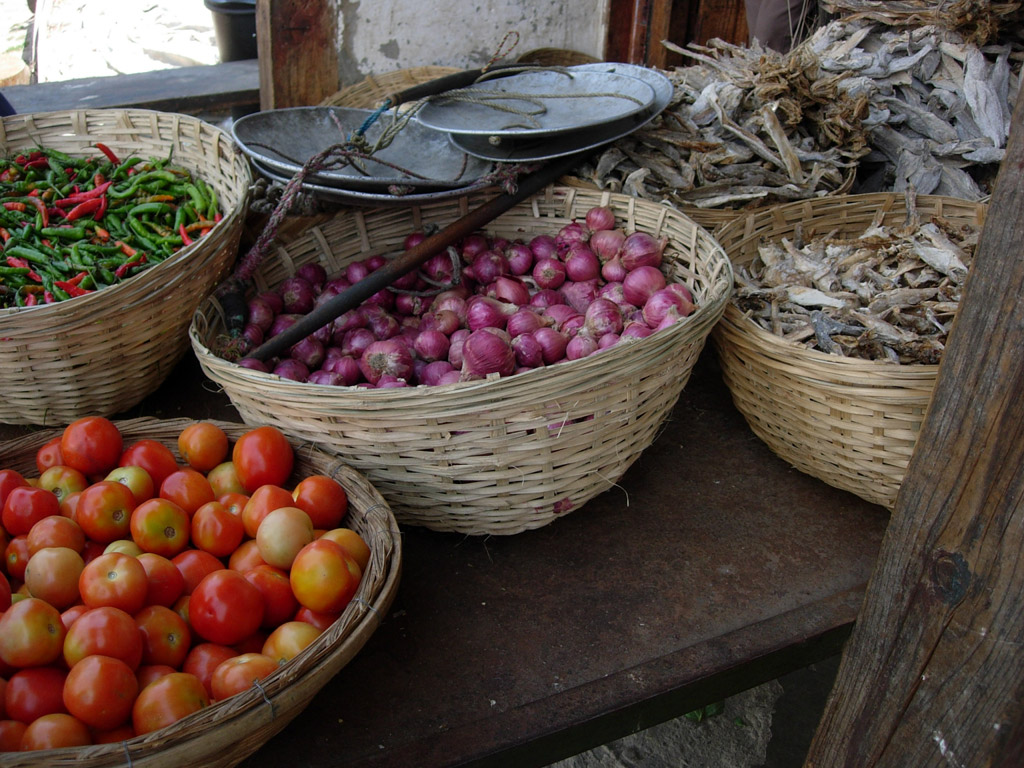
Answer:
x=431 y=345
x=282 y=323
x=457 y=340
x=354 y=318
x=472 y=245
x=273 y=298
x=356 y=271
x=579 y=295
x=636 y=330
x=253 y=334
x=488 y=266
x=298 y=294
x=581 y=345
x=314 y=273
x=671 y=318
x=254 y=365
x=616 y=293
x=548 y=272
x=660 y=304
x=525 y=320
x=445 y=321
x=528 y=351
x=346 y=366
x=439 y=268
x=573 y=325
x=640 y=283
x=381 y=323
x=451 y=377
x=410 y=305
x=387 y=381
x=641 y=249
x=406 y=282
x=382 y=298
x=570 y=234
x=337 y=284
x=559 y=314
x=685 y=295
x=581 y=263
x=390 y=356
x=355 y=341
x=326 y=378
x=600 y=218
x=452 y=301
x=375 y=262
x=608 y=340
x=552 y=344
x=410 y=325
x=486 y=312
x=603 y=316
x=433 y=372
x=293 y=369
x=509 y=289
x=261 y=312
x=543 y=247
x=520 y=258
x=308 y=351
x=413 y=239
x=607 y=243
x=485 y=352
x=545 y=297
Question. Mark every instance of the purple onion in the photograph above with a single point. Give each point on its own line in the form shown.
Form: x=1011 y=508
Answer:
x=581 y=263
x=390 y=356
x=457 y=340
x=431 y=345
x=355 y=341
x=640 y=283
x=581 y=345
x=548 y=272
x=488 y=266
x=579 y=295
x=552 y=344
x=529 y=352
x=608 y=340
x=613 y=271
x=486 y=351
x=314 y=273
x=261 y=313
x=433 y=372
x=603 y=316
x=520 y=258
x=572 y=233
x=293 y=369
x=545 y=297
x=253 y=364
x=308 y=351
x=641 y=249
x=327 y=378
x=600 y=218
x=273 y=298
x=543 y=247
x=298 y=295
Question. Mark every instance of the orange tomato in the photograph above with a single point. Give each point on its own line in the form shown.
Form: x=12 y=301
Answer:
x=203 y=445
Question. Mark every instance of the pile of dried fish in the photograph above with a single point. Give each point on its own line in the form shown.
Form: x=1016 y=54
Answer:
x=940 y=106
x=888 y=294
x=980 y=21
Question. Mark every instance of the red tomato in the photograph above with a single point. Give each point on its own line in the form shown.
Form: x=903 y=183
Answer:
x=322 y=498
x=203 y=445
x=234 y=502
x=188 y=489
x=34 y=692
x=238 y=673
x=167 y=700
x=11 y=732
x=136 y=479
x=160 y=526
x=148 y=673
x=279 y=604
x=25 y=506
x=55 y=732
x=5 y=593
x=62 y=481
x=204 y=658
x=319 y=620
x=49 y=455
x=246 y=557
x=114 y=579
x=114 y=735
x=9 y=480
x=165 y=582
x=352 y=543
x=165 y=636
x=153 y=456
x=100 y=691
x=194 y=565
x=224 y=479
x=216 y=530
x=92 y=445
x=16 y=557
x=225 y=608
x=104 y=511
x=31 y=633
x=289 y=640
x=324 y=577
x=52 y=575
x=262 y=456
x=261 y=503
x=72 y=614
x=106 y=631
x=56 y=531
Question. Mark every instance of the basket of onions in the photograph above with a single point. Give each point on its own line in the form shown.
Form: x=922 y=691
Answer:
x=505 y=383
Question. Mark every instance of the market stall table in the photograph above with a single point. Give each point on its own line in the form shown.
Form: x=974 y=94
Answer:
x=712 y=567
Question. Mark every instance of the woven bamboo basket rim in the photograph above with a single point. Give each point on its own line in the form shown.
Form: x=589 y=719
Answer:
x=556 y=57
x=369 y=92
x=848 y=421
x=121 y=340
x=228 y=731
x=445 y=417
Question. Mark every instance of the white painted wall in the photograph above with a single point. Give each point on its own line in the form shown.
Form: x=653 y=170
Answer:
x=378 y=36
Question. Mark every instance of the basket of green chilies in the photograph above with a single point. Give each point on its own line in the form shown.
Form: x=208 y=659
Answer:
x=114 y=224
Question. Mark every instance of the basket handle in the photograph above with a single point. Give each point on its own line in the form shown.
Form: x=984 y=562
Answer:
x=354 y=295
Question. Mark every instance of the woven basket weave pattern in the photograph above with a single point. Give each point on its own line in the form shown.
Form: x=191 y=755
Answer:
x=851 y=423
x=226 y=733
x=103 y=353
x=503 y=455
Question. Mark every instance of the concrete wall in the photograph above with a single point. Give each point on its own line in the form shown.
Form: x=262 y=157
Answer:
x=378 y=36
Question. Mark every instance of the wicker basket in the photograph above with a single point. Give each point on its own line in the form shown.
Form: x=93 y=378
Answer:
x=227 y=732
x=498 y=456
x=103 y=353
x=851 y=423
x=373 y=89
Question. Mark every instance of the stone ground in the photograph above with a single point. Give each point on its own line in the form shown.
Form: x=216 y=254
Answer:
x=768 y=726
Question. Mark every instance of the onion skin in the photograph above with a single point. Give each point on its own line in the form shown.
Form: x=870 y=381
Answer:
x=549 y=272
x=390 y=356
x=599 y=218
x=485 y=352
x=640 y=283
x=640 y=249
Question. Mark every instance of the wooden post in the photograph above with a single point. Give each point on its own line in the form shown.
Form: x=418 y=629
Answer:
x=298 y=51
x=933 y=672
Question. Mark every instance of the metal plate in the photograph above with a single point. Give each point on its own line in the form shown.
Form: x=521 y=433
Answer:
x=543 y=103
x=548 y=147
x=285 y=139
x=369 y=197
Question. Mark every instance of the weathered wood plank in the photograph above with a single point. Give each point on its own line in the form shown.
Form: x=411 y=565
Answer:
x=933 y=672
x=298 y=51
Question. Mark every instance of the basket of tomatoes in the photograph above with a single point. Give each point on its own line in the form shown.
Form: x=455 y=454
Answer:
x=176 y=591
x=113 y=225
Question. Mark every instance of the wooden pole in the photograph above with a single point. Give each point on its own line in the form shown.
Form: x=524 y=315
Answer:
x=933 y=673
x=297 y=42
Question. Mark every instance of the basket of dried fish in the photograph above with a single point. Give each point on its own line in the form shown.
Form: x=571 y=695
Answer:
x=831 y=343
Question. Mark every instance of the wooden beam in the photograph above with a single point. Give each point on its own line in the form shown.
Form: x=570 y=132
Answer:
x=933 y=672
x=298 y=51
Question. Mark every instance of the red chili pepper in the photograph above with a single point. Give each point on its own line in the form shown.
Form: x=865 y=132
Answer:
x=41 y=207
x=101 y=233
x=80 y=197
x=107 y=151
x=4 y=234
x=38 y=163
x=70 y=288
x=30 y=300
x=184 y=235
x=15 y=206
x=123 y=269
x=126 y=249
x=48 y=297
x=78 y=278
x=98 y=179
x=14 y=261
x=82 y=209
x=8 y=175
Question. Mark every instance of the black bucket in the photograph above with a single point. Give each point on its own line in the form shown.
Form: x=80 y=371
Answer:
x=234 y=25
